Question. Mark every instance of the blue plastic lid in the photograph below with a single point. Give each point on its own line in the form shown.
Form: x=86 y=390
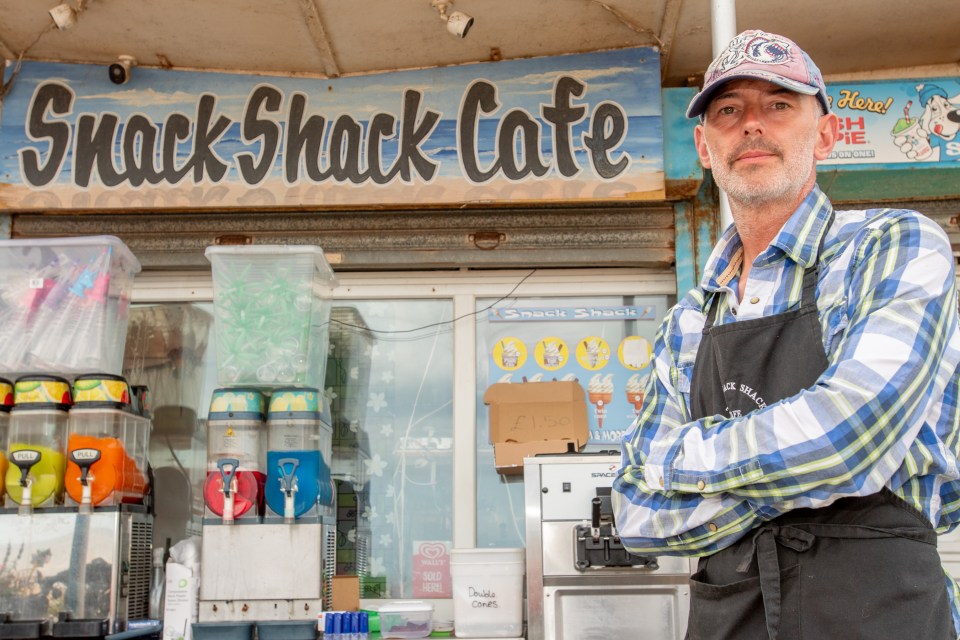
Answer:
x=364 y=622
x=328 y=623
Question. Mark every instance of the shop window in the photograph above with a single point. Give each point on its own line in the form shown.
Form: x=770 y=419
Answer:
x=390 y=378
x=170 y=349
x=390 y=385
x=602 y=342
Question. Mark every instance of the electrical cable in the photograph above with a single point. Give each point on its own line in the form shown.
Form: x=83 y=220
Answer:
x=444 y=322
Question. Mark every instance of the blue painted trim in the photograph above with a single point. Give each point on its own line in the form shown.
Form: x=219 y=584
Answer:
x=686 y=247
x=680 y=161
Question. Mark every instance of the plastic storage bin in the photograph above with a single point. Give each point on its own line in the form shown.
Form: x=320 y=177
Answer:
x=272 y=314
x=63 y=304
x=222 y=630
x=487 y=592
x=287 y=630
x=406 y=619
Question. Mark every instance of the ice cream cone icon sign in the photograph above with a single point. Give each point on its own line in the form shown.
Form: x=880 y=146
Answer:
x=509 y=354
x=635 y=393
x=600 y=394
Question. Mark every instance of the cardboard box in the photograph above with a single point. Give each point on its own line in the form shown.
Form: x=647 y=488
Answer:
x=534 y=417
x=345 y=593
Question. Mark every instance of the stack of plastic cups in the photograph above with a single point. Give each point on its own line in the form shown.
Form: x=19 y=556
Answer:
x=234 y=486
x=6 y=403
x=35 y=444
x=266 y=327
x=298 y=452
x=272 y=309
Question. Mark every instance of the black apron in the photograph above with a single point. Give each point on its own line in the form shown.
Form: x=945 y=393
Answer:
x=859 y=568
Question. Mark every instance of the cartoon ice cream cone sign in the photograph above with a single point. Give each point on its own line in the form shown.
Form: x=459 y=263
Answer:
x=635 y=393
x=551 y=354
x=600 y=394
x=510 y=354
x=593 y=351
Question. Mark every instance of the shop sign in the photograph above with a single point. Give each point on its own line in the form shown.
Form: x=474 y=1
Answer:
x=431 y=570
x=607 y=349
x=564 y=128
x=896 y=122
x=560 y=314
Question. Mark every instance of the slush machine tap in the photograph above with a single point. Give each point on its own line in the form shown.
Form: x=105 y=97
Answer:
x=25 y=459
x=85 y=459
x=228 y=472
x=288 y=484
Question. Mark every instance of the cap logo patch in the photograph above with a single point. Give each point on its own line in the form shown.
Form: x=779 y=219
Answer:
x=755 y=49
x=767 y=51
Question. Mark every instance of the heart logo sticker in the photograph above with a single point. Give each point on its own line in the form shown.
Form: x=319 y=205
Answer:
x=433 y=550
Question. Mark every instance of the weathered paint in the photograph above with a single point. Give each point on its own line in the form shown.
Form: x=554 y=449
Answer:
x=697 y=225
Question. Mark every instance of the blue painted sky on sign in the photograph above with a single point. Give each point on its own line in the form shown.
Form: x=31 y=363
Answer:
x=628 y=77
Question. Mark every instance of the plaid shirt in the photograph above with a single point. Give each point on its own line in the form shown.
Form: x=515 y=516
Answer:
x=884 y=413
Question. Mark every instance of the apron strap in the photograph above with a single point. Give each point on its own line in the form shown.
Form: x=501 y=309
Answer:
x=800 y=538
x=808 y=294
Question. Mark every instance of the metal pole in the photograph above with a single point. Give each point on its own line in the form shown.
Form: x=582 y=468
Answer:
x=723 y=23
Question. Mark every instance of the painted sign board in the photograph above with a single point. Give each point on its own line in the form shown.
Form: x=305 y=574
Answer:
x=606 y=348
x=564 y=128
x=892 y=123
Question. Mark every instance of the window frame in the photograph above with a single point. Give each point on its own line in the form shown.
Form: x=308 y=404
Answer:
x=464 y=287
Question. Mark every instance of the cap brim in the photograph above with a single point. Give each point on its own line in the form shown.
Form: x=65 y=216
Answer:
x=700 y=101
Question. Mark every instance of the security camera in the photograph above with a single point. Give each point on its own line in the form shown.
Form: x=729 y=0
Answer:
x=459 y=23
x=120 y=70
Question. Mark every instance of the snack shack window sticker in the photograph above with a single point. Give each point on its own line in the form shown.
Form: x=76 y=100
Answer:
x=606 y=348
x=897 y=122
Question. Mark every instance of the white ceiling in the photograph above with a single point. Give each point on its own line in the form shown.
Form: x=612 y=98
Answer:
x=343 y=37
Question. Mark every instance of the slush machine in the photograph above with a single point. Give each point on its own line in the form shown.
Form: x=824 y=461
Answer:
x=75 y=530
x=266 y=559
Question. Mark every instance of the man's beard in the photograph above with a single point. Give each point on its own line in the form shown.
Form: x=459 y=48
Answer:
x=785 y=181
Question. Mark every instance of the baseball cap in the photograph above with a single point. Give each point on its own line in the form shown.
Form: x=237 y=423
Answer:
x=763 y=56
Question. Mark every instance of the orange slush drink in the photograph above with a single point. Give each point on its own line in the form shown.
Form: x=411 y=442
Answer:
x=114 y=471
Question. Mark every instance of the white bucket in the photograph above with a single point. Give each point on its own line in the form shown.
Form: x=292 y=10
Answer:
x=487 y=592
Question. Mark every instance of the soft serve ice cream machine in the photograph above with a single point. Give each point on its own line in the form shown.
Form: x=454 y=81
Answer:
x=75 y=531
x=581 y=583
x=269 y=530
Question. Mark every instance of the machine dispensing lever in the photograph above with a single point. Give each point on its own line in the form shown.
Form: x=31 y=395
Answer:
x=595 y=519
x=85 y=459
x=228 y=473
x=288 y=484
x=598 y=544
x=25 y=459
